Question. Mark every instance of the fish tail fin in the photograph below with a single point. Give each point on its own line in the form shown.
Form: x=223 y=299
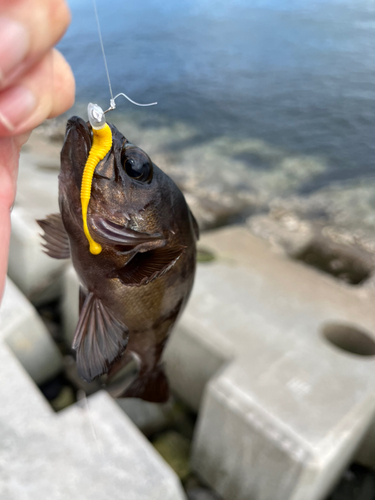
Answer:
x=150 y=386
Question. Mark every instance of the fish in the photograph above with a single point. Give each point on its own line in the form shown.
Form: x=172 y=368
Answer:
x=134 y=291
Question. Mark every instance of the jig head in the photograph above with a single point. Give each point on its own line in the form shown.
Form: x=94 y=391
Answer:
x=101 y=144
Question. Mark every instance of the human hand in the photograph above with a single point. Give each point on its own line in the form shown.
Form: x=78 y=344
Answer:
x=35 y=83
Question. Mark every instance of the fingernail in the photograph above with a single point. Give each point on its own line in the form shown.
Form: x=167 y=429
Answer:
x=16 y=104
x=14 y=44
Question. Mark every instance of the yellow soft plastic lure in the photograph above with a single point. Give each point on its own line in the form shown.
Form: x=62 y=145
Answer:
x=101 y=144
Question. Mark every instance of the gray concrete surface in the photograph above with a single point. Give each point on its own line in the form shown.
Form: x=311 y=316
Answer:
x=288 y=409
x=36 y=274
x=25 y=333
x=90 y=451
x=70 y=303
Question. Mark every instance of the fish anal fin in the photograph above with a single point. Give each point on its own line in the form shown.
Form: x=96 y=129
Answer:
x=56 y=241
x=150 y=386
x=145 y=267
x=100 y=339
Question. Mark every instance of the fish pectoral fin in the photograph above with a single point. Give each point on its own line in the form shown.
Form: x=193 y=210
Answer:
x=115 y=234
x=145 y=267
x=56 y=241
x=100 y=339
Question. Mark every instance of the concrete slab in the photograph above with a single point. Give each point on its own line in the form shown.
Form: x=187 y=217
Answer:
x=84 y=452
x=285 y=332
x=70 y=302
x=24 y=332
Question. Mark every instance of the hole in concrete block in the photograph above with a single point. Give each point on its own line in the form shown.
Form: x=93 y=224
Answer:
x=335 y=261
x=350 y=339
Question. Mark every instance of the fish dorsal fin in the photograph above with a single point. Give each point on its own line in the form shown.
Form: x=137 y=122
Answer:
x=56 y=241
x=145 y=267
x=100 y=339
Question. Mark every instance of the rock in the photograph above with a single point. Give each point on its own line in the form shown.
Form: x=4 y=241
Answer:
x=321 y=246
x=202 y=494
x=24 y=332
x=286 y=233
x=294 y=397
x=64 y=399
x=175 y=449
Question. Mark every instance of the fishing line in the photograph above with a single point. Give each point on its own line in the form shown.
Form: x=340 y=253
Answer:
x=81 y=396
x=102 y=46
x=113 y=99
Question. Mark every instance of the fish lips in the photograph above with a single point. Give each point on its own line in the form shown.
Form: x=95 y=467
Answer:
x=76 y=148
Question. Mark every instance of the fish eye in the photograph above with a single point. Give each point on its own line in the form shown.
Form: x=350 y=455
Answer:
x=137 y=164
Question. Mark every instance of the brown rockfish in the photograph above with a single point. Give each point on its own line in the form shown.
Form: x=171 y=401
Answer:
x=132 y=292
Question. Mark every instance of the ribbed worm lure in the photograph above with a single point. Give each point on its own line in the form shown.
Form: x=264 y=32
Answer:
x=101 y=144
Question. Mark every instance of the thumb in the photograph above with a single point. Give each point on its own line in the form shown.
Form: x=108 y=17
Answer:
x=9 y=156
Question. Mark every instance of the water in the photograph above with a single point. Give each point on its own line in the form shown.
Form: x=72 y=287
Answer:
x=297 y=75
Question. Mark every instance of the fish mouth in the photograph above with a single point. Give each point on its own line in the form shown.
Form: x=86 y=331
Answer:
x=76 y=148
x=79 y=128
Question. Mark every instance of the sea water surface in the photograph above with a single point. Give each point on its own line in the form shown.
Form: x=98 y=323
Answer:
x=274 y=80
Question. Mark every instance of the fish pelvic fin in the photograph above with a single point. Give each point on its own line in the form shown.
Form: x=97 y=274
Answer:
x=151 y=385
x=100 y=338
x=56 y=241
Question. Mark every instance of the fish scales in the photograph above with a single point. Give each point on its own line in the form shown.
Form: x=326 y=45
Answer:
x=133 y=292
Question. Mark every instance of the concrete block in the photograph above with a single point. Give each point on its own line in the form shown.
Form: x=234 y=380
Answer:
x=36 y=274
x=70 y=303
x=297 y=395
x=277 y=429
x=90 y=451
x=148 y=417
x=25 y=333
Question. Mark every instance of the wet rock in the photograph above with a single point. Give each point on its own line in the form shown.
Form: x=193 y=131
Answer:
x=321 y=246
x=286 y=232
x=65 y=398
x=175 y=449
x=202 y=494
